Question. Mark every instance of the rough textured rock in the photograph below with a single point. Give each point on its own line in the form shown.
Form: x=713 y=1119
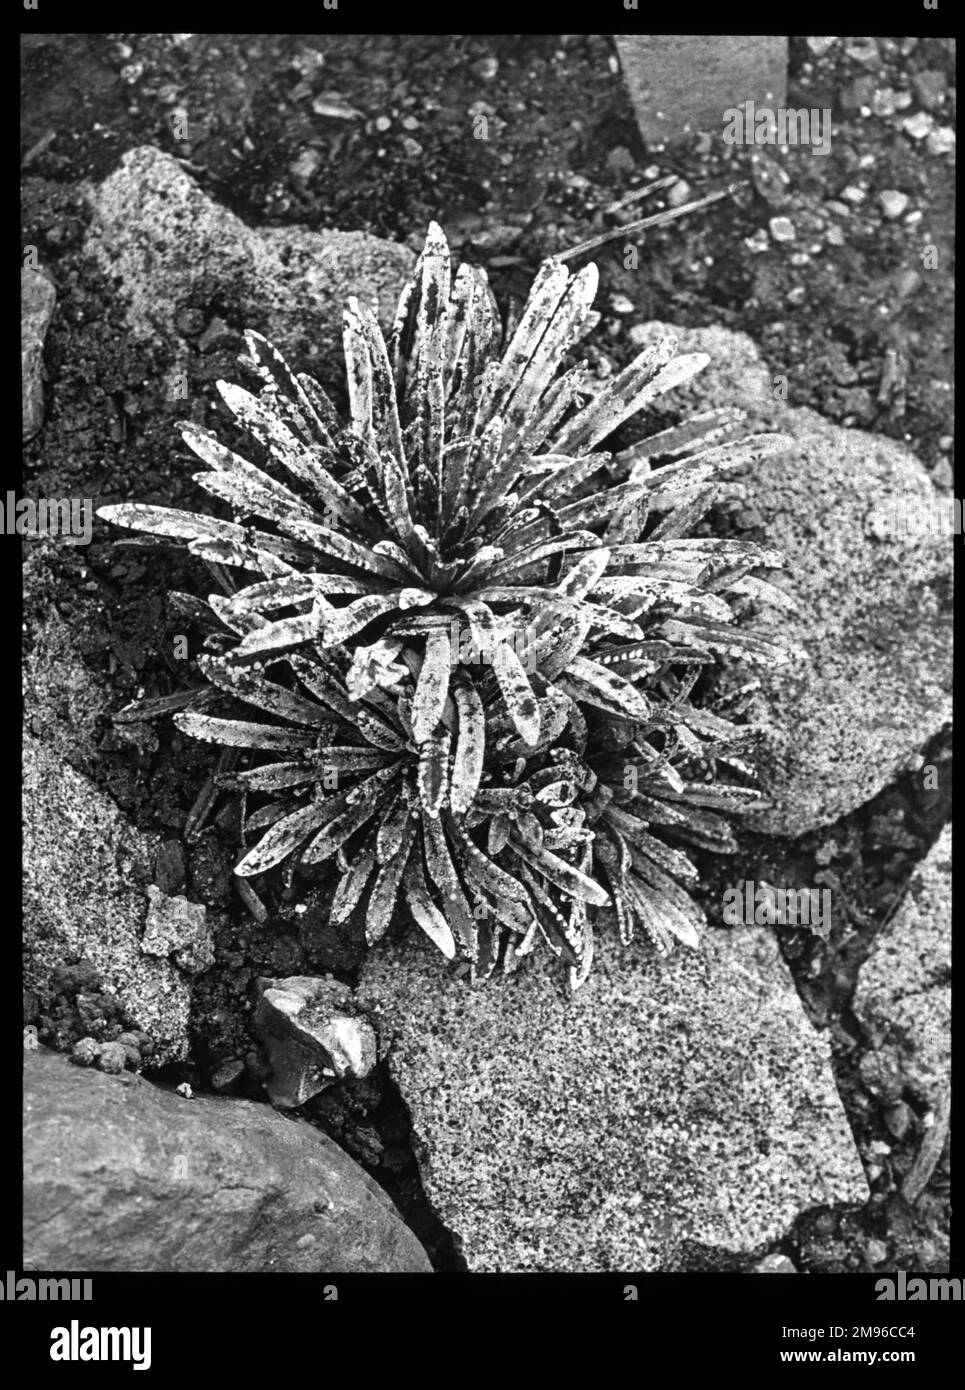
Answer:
x=841 y=725
x=120 y=1175
x=903 y=992
x=85 y=874
x=172 y=248
x=37 y=300
x=669 y=1115
x=178 y=928
x=312 y=1036
x=64 y=699
x=685 y=82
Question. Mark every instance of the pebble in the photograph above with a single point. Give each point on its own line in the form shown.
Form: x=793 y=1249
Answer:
x=908 y=283
x=820 y=45
x=383 y=123
x=112 y=1057
x=306 y=165
x=930 y=87
x=800 y=258
x=621 y=304
x=486 y=68
x=876 y=1252
x=781 y=228
x=678 y=193
x=774 y=1264
x=85 y=1052
x=893 y=203
x=757 y=243
x=899 y=1119
x=883 y=102
x=902 y=101
x=945 y=443
x=853 y=194
x=796 y=295
x=941 y=141
x=620 y=160
x=917 y=126
x=864 y=51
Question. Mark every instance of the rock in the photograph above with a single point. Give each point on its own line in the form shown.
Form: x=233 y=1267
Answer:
x=64 y=700
x=873 y=613
x=782 y=228
x=903 y=991
x=680 y=83
x=176 y=927
x=172 y=248
x=893 y=203
x=941 y=140
x=670 y=1115
x=774 y=1264
x=37 y=300
x=308 y=1026
x=918 y=125
x=121 y=1175
x=83 y=866
x=678 y=193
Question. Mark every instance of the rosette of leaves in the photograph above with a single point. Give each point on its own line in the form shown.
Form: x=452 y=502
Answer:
x=466 y=495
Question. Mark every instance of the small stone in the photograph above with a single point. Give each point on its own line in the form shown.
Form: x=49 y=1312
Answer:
x=945 y=443
x=218 y=334
x=383 y=123
x=883 y=102
x=312 y=1037
x=755 y=244
x=893 y=203
x=820 y=45
x=775 y=1263
x=853 y=194
x=178 y=928
x=410 y=123
x=800 y=258
x=876 y=1252
x=184 y=1091
x=111 y=1057
x=917 y=126
x=85 y=1052
x=834 y=236
x=621 y=304
x=486 y=68
x=899 y=1119
x=930 y=87
x=903 y=100
x=411 y=147
x=941 y=141
x=908 y=282
x=914 y=218
x=306 y=165
x=864 y=51
x=227 y=1076
x=678 y=193
x=781 y=228
x=620 y=160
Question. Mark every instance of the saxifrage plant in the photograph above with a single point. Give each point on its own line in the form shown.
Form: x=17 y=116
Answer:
x=471 y=635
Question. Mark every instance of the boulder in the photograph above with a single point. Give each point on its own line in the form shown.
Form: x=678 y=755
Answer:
x=121 y=1175
x=669 y=1115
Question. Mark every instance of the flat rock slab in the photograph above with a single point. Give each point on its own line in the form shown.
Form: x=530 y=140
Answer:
x=680 y=83
x=874 y=608
x=85 y=874
x=120 y=1175
x=173 y=248
x=670 y=1115
x=903 y=994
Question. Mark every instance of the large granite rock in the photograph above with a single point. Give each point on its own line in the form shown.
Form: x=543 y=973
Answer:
x=874 y=606
x=669 y=1115
x=120 y=1175
x=903 y=994
x=86 y=870
x=173 y=249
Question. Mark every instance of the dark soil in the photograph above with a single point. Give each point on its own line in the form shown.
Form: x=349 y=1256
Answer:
x=380 y=134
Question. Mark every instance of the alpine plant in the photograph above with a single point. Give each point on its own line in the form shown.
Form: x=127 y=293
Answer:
x=467 y=638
